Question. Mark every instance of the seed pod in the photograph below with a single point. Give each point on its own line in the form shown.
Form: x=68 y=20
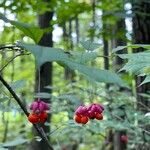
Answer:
x=84 y=120
x=43 y=117
x=99 y=116
x=77 y=119
x=33 y=118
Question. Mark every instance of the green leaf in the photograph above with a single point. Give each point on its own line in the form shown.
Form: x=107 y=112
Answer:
x=119 y=48
x=137 y=62
x=15 y=142
x=134 y=46
x=18 y=84
x=141 y=56
x=34 y=32
x=3 y=98
x=44 y=54
x=47 y=54
x=146 y=80
x=1 y=148
x=97 y=74
x=89 y=45
x=29 y=30
x=135 y=67
x=42 y=95
x=84 y=57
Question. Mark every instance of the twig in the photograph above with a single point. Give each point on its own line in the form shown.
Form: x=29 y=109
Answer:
x=24 y=110
x=12 y=47
x=12 y=60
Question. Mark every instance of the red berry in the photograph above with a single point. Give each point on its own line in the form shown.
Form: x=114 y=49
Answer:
x=33 y=118
x=91 y=115
x=43 y=117
x=124 y=138
x=84 y=120
x=77 y=119
x=99 y=116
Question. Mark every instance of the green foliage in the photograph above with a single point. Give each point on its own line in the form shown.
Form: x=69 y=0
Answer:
x=29 y=30
x=89 y=45
x=119 y=48
x=15 y=142
x=45 y=54
x=84 y=57
x=137 y=63
x=18 y=84
x=69 y=10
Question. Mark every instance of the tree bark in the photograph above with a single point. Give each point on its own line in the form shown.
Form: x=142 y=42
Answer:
x=141 y=35
x=45 y=73
x=120 y=40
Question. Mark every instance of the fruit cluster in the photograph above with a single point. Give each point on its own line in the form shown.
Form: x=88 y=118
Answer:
x=84 y=113
x=39 y=114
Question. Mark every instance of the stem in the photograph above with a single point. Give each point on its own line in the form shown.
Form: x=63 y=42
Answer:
x=11 y=61
x=24 y=110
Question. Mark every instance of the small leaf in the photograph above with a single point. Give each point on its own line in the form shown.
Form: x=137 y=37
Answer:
x=18 y=84
x=134 y=46
x=146 y=80
x=42 y=95
x=34 y=32
x=118 y=48
x=84 y=57
x=15 y=142
x=1 y=148
x=37 y=138
x=89 y=45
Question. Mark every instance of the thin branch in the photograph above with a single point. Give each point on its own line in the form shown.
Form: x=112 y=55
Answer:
x=12 y=47
x=25 y=110
x=12 y=60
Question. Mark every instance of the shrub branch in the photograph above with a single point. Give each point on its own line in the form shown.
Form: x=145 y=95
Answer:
x=42 y=135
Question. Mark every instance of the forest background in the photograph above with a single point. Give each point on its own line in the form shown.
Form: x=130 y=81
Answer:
x=70 y=53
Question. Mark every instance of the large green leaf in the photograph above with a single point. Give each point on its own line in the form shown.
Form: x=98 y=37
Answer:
x=136 y=67
x=141 y=56
x=32 y=31
x=89 y=45
x=138 y=63
x=95 y=74
x=84 y=57
x=47 y=54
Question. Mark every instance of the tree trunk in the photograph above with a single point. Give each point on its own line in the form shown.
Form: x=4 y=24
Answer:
x=120 y=40
x=113 y=141
x=77 y=29
x=45 y=73
x=69 y=74
x=141 y=35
